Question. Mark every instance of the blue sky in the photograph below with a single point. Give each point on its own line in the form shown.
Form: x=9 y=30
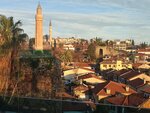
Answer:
x=108 y=19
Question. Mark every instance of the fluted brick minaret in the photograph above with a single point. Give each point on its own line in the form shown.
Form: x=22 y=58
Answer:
x=39 y=29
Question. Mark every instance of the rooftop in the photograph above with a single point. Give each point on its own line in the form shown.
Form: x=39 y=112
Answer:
x=130 y=100
x=113 y=86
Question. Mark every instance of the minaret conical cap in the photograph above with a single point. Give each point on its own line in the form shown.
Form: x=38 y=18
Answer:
x=50 y=24
x=39 y=6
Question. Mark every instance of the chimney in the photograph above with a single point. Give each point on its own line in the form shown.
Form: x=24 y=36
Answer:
x=107 y=91
x=127 y=88
x=81 y=81
x=144 y=81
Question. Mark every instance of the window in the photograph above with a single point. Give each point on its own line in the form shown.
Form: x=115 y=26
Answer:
x=105 y=66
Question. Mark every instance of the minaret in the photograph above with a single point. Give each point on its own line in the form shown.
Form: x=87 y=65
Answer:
x=50 y=33
x=39 y=29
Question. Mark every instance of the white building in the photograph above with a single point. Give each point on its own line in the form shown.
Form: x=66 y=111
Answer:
x=68 y=47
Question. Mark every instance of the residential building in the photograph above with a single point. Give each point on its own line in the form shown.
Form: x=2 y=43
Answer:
x=144 y=51
x=136 y=100
x=141 y=58
x=136 y=83
x=146 y=91
x=120 y=45
x=116 y=65
x=91 y=78
x=111 y=88
x=131 y=75
x=73 y=74
x=68 y=47
x=79 y=91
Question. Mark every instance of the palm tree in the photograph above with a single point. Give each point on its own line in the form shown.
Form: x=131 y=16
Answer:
x=5 y=30
x=11 y=37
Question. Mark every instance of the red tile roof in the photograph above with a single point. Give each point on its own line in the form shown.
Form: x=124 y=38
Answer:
x=130 y=74
x=81 y=88
x=114 y=87
x=90 y=75
x=78 y=64
x=140 y=54
x=88 y=69
x=64 y=95
x=136 y=65
x=120 y=72
x=144 y=50
x=130 y=100
x=136 y=83
x=146 y=90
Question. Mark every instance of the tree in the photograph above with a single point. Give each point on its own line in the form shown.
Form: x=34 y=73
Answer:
x=13 y=36
x=133 y=43
x=66 y=56
x=143 y=45
x=31 y=42
x=91 y=52
x=99 y=41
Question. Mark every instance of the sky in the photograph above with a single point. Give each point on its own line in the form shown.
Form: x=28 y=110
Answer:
x=107 y=19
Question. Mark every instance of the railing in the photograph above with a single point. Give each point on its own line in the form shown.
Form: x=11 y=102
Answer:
x=39 y=105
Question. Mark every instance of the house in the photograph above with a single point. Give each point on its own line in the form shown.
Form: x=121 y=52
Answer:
x=133 y=100
x=144 y=51
x=119 y=73
x=68 y=47
x=144 y=66
x=111 y=88
x=136 y=83
x=91 y=78
x=79 y=91
x=131 y=49
x=82 y=65
x=131 y=75
x=72 y=74
x=141 y=57
x=108 y=74
x=120 y=45
x=136 y=65
x=115 y=65
x=146 y=91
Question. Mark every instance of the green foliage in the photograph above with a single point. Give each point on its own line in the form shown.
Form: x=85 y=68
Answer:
x=91 y=51
x=31 y=42
x=38 y=52
x=66 y=56
x=143 y=45
x=34 y=63
x=12 y=35
x=99 y=42
x=133 y=43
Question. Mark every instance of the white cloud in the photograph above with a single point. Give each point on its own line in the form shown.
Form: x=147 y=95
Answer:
x=126 y=23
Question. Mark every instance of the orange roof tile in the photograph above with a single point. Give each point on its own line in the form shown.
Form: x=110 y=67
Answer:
x=136 y=83
x=114 y=87
x=136 y=65
x=64 y=95
x=130 y=74
x=146 y=90
x=81 y=88
x=89 y=75
x=130 y=100
x=144 y=50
